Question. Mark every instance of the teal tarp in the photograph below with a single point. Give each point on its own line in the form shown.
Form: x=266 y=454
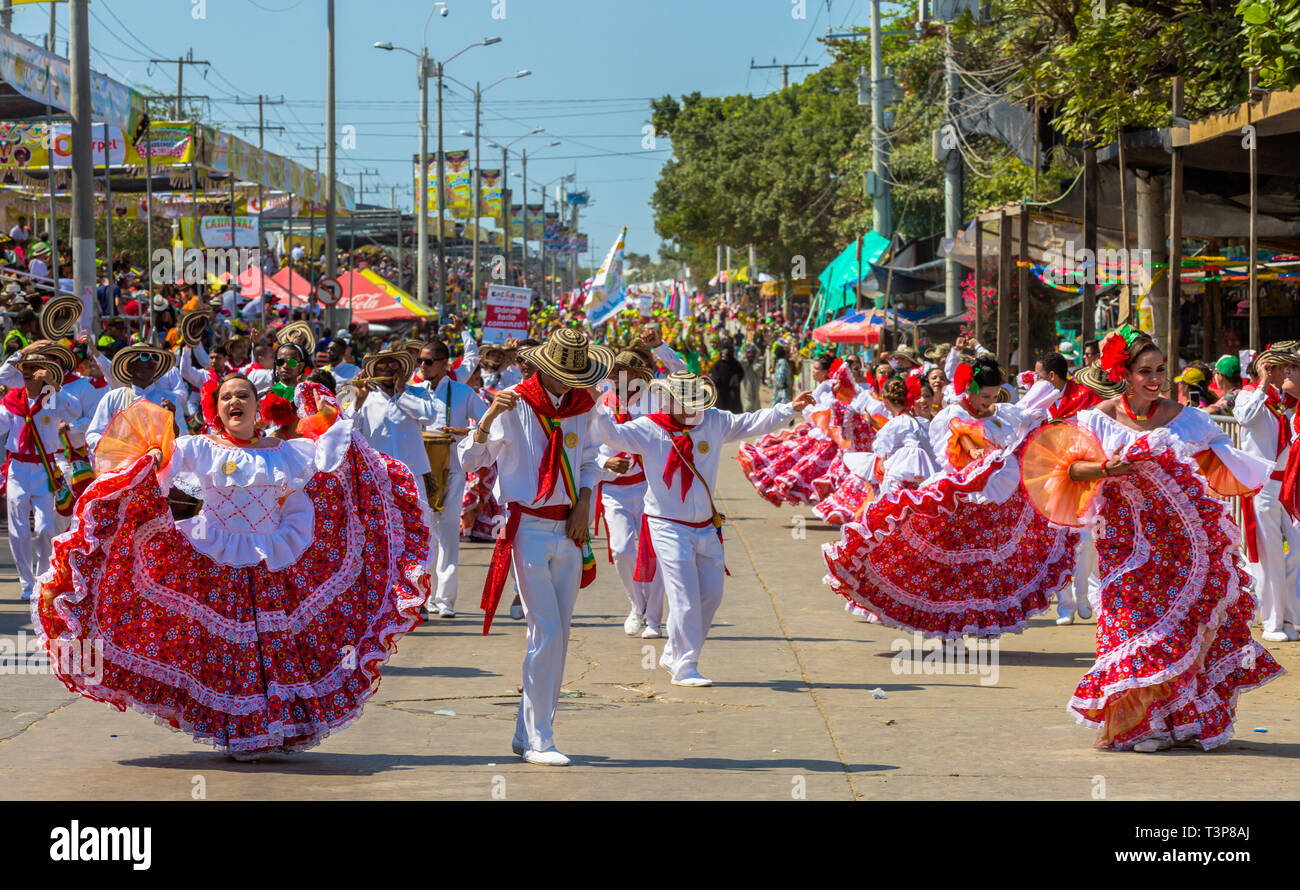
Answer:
x=838 y=278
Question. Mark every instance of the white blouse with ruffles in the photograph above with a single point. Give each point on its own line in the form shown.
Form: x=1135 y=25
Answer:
x=254 y=506
x=1003 y=431
x=1192 y=431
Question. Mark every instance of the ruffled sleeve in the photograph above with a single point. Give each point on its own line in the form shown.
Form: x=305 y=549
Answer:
x=1198 y=433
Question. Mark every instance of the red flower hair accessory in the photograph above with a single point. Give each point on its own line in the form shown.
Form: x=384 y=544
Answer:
x=913 y=391
x=208 y=402
x=1114 y=354
x=963 y=382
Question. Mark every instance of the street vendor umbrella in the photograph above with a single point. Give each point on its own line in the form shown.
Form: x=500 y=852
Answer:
x=826 y=332
x=372 y=299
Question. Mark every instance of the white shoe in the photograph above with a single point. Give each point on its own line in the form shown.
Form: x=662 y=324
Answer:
x=549 y=757
x=651 y=633
x=693 y=679
x=1150 y=746
x=1291 y=634
x=1083 y=608
x=635 y=621
x=1066 y=618
x=518 y=746
x=1276 y=636
x=517 y=612
x=446 y=611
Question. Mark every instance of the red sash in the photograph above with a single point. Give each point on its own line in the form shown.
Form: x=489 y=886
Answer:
x=1248 y=513
x=647 y=563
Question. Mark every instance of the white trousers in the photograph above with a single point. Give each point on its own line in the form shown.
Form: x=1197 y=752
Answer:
x=548 y=569
x=1275 y=574
x=692 y=568
x=444 y=549
x=29 y=497
x=1086 y=584
x=623 y=506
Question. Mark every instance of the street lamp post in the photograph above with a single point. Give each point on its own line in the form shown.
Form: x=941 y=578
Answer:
x=505 y=186
x=427 y=68
x=524 y=206
x=478 y=126
x=542 y=260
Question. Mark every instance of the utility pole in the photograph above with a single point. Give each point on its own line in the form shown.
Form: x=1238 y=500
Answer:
x=181 y=62
x=261 y=201
x=949 y=153
x=785 y=68
x=7 y=15
x=331 y=213
x=83 y=170
x=882 y=220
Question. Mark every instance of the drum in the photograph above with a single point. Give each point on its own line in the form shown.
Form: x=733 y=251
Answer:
x=182 y=505
x=438 y=447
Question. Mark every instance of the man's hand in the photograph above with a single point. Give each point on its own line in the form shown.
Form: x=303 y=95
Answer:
x=651 y=336
x=618 y=465
x=360 y=389
x=456 y=430
x=504 y=401
x=63 y=428
x=576 y=525
x=803 y=400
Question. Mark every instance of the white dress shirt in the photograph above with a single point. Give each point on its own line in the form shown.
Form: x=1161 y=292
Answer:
x=716 y=428
x=516 y=444
x=394 y=425
x=455 y=405
x=1259 y=426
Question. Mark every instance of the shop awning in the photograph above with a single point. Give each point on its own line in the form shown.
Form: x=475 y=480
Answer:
x=372 y=298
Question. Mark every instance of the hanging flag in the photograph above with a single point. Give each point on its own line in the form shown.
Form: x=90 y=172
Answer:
x=607 y=293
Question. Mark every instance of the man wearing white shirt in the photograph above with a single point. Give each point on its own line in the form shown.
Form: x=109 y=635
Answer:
x=538 y=434
x=391 y=415
x=1272 y=540
x=681 y=533
x=455 y=405
x=139 y=370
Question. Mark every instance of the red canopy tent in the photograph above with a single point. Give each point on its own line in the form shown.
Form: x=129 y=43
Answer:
x=291 y=282
x=369 y=301
x=252 y=283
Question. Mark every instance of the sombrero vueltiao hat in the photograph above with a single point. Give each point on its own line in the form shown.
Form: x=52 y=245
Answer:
x=1093 y=377
x=45 y=362
x=936 y=353
x=164 y=359
x=691 y=391
x=906 y=353
x=59 y=317
x=61 y=354
x=634 y=363
x=297 y=330
x=406 y=365
x=192 y=325
x=571 y=358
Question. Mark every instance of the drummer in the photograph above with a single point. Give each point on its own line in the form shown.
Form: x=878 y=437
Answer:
x=455 y=405
x=391 y=415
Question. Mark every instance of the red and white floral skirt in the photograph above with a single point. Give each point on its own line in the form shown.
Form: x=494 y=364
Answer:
x=847 y=502
x=479 y=508
x=243 y=658
x=935 y=560
x=1174 y=648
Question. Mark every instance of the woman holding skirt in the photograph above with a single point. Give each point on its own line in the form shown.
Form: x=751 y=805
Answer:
x=260 y=624
x=1174 y=649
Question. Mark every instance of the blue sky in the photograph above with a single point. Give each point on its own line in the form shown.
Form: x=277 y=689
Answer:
x=594 y=63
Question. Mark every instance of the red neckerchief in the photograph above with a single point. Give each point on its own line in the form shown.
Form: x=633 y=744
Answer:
x=1273 y=402
x=70 y=376
x=1074 y=398
x=682 y=456
x=15 y=401
x=98 y=382
x=575 y=402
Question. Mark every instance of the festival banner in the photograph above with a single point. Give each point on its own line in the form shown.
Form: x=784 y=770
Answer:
x=607 y=294
x=536 y=222
x=215 y=231
x=516 y=221
x=553 y=233
x=506 y=314
x=490 y=193
x=456 y=173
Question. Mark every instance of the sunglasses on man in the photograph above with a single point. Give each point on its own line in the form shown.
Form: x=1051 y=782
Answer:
x=287 y=362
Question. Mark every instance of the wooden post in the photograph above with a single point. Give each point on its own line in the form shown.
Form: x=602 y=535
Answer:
x=1125 y=290
x=1004 y=289
x=1255 y=343
x=1026 y=354
x=1175 y=236
x=979 y=279
x=1212 y=314
x=1088 y=330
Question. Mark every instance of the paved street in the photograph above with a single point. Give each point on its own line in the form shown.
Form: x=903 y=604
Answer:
x=792 y=713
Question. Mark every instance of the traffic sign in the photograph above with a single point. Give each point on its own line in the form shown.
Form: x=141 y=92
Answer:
x=328 y=291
